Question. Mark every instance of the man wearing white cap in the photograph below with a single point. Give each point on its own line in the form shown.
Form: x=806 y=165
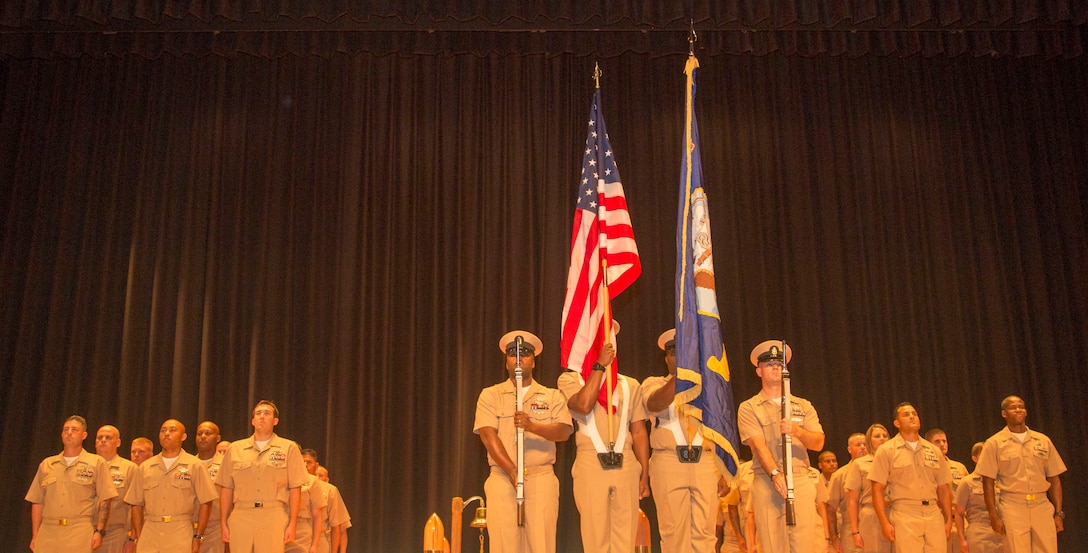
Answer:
x=546 y=420
x=683 y=478
x=762 y=428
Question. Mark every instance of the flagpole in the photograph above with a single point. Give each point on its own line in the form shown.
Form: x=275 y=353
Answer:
x=519 y=406
x=606 y=304
x=607 y=338
x=787 y=439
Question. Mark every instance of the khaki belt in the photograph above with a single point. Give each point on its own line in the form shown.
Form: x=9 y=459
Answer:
x=914 y=502
x=66 y=521
x=169 y=518
x=256 y=504
x=1022 y=497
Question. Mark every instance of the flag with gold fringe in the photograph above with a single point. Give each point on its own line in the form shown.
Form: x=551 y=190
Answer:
x=703 y=390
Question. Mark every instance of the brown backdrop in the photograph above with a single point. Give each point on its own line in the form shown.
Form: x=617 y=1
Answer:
x=349 y=235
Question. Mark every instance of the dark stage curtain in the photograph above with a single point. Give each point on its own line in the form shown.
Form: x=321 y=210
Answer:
x=350 y=235
x=324 y=28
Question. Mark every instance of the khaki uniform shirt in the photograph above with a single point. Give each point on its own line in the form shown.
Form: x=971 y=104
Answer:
x=821 y=490
x=262 y=476
x=177 y=492
x=836 y=490
x=335 y=513
x=338 y=511
x=495 y=409
x=121 y=473
x=312 y=498
x=212 y=465
x=1020 y=467
x=910 y=474
x=71 y=491
x=856 y=479
x=570 y=384
x=959 y=472
x=759 y=416
x=970 y=497
x=662 y=438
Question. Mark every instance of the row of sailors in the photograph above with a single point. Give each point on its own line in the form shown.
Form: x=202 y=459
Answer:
x=172 y=501
x=848 y=521
x=897 y=490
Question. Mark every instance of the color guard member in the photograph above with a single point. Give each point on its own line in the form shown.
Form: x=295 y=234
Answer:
x=607 y=495
x=546 y=420
x=683 y=478
x=762 y=428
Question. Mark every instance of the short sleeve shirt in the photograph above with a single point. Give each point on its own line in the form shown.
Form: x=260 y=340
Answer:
x=312 y=498
x=212 y=465
x=496 y=406
x=121 y=473
x=71 y=491
x=176 y=491
x=759 y=416
x=910 y=474
x=1020 y=467
x=262 y=475
x=338 y=512
x=836 y=492
x=661 y=437
x=570 y=383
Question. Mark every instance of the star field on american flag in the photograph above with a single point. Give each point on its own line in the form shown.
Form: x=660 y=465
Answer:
x=597 y=158
x=603 y=257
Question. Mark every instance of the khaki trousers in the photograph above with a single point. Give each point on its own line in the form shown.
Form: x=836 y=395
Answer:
x=686 y=496
x=541 y=508
x=257 y=530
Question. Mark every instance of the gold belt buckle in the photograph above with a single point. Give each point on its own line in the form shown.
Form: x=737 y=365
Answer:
x=1030 y=497
x=166 y=518
x=63 y=522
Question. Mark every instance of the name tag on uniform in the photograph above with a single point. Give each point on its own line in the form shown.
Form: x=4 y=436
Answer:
x=538 y=404
x=1041 y=450
x=930 y=457
x=84 y=473
x=277 y=459
x=796 y=413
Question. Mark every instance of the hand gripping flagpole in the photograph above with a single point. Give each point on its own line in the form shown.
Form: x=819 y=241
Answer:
x=787 y=441
x=520 y=434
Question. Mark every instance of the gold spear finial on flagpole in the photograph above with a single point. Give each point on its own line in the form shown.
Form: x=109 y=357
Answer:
x=597 y=74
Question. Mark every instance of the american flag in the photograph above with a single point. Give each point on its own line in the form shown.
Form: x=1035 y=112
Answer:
x=703 y=389
x=602 y=233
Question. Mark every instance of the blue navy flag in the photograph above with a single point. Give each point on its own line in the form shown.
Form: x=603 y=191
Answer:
x=702 y=371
